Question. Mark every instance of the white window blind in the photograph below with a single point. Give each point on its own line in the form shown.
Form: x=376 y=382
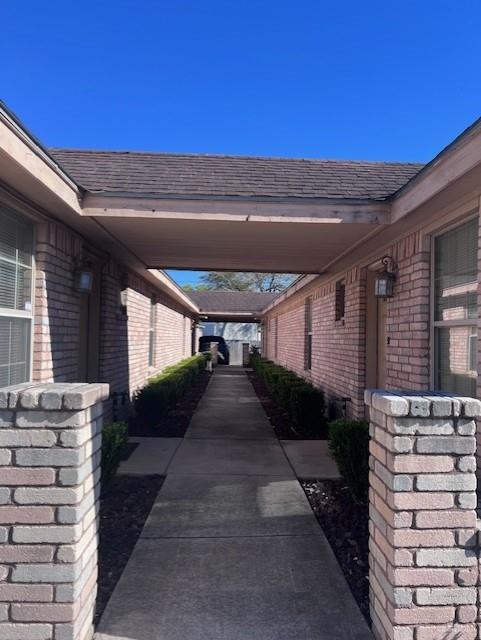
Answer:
x=455 y=309
x=308 y=333
x=16 y=249
x=152 y=331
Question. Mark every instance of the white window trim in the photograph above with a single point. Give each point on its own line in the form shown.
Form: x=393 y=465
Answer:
x=11 y=203
x=152 y=333
x=434 y=324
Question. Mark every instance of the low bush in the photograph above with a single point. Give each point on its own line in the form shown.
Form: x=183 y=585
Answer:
x=307 y=406
x=114 y=438
x=300 y=399
x=349 y=445
x=165 y=389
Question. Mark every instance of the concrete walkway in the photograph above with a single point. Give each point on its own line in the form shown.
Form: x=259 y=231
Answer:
x=231 y=549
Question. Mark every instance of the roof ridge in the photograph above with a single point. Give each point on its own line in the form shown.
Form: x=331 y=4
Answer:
x=128 y=152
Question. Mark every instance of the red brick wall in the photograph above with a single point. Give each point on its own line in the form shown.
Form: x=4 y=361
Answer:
x=124 y=333
x=339 y=347
x=407 y=323
x=56 y=316
x=171 y=340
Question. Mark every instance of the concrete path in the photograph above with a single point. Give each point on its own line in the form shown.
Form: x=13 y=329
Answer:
x=311 y=459
x=231 y=549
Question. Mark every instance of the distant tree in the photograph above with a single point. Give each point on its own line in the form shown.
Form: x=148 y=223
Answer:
x=195 y=287
x=242 y=281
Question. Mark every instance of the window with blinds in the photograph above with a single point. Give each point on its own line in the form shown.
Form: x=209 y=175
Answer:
x=152 y=331
x=455 y=309
x=16 y=280
x=308 y=333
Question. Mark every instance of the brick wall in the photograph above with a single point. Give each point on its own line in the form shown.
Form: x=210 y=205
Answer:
x=56 y=305
x=407 y=323
x=172 y=342
x=125 y=302
x=50 y=472
x=423 y=535
x=339 y=346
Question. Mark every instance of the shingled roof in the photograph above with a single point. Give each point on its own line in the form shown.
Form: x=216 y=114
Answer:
x=218 y=176
x=232 y=301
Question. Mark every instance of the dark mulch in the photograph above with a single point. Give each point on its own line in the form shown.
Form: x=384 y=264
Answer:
x=345 y=524
x=175 y=423
x=124 y=508
x=280 y=420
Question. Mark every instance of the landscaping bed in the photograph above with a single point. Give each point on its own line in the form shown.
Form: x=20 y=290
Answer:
x=124 y=507
x=174 y=424
x=345 y=525
x=282 y=423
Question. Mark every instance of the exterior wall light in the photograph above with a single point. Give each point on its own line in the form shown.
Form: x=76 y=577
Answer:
x=83 y=276
x=384 y=284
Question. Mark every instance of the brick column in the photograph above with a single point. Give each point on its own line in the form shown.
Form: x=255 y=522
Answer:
x=50 y=438
x=423 y=536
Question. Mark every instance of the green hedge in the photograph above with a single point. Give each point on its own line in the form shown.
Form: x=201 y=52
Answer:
x=301 y=400
x=165 y=389
x=349 y=445
x=114 y=438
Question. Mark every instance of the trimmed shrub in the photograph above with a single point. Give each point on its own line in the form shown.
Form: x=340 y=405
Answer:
x=165 y=389
x=349 y=445
x=300 y=399
x=307 y=406
x=114 y=438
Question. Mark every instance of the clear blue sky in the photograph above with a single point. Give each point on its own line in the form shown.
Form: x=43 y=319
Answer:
x=370 y=80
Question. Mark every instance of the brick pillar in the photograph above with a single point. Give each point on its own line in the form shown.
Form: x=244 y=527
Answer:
x=423 y=536
x=50 y=438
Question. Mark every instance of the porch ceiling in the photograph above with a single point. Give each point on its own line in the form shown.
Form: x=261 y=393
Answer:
x=236 y=246
x=237 y=236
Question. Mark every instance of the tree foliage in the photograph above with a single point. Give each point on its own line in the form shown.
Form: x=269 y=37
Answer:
x=242 y=281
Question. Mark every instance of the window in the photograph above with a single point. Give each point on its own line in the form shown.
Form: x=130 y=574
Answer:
x=16 y=249
x=455 y=309
x=308 y=334
x=152 y=331
x=340 y=299
x=276 y=336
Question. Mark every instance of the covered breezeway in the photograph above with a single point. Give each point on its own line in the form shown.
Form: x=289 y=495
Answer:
x=156 y=211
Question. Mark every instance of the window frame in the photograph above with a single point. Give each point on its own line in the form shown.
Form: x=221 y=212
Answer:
x=151 y=357
x=17 y=209
x=436 y=324
x=340 y=301
x=276 y=337
x=308 y=333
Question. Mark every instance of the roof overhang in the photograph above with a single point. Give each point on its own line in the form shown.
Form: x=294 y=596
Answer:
x=453 y=172
x=230 y=316
x=237 y=234
x=30 y=175
x=293 y=235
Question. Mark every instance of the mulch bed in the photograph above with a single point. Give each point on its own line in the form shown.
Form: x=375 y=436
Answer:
x=175 y=423
x=345 y=524
x=124 y=508
x=280 y=420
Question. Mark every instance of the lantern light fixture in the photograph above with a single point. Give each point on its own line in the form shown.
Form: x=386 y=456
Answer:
x=83 y=276
x=384 y=283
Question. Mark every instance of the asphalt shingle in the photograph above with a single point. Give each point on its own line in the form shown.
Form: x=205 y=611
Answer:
x=188 y=175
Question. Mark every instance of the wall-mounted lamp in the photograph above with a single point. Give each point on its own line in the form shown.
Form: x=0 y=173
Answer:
x=384 y=284
x=123 y=288
x=83 y=276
